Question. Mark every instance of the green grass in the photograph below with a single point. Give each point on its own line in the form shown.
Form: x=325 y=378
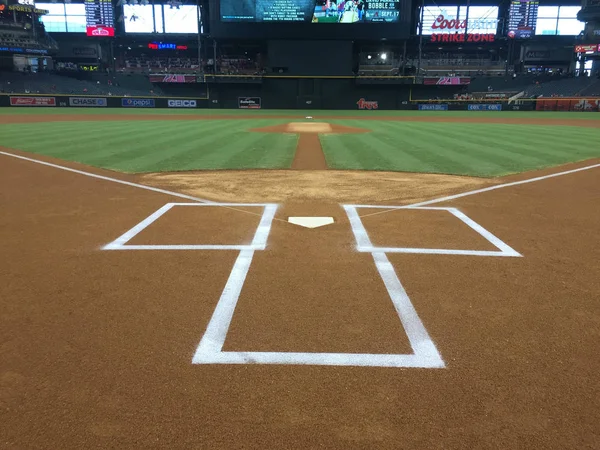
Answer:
x=300 y=113
x=459 y=148
x=154 y=145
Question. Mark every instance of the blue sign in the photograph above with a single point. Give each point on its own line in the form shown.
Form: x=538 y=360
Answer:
x=39 y=51
x=434 y=107
x=137 y=102
x=485 y=107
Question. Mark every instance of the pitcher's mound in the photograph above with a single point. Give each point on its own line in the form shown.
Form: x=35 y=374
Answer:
x=310 y=127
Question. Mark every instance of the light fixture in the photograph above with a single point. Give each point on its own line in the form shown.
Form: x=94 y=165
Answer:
x=368 y=56
x=384 y=56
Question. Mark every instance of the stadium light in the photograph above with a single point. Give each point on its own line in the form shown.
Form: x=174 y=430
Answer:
x=368 y=56
x=384 y=56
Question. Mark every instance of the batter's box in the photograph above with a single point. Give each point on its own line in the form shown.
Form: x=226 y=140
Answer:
x=364 y=243
x=259 y=241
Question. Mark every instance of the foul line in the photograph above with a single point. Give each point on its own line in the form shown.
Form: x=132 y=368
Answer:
x=490 y=188
x=129 y=183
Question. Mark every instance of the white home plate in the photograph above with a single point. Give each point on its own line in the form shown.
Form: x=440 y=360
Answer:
x=311 y=222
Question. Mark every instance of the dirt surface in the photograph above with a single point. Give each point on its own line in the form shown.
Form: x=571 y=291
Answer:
x=333 y=186
x=96 y=346
x=309 y=154
x=29 y=118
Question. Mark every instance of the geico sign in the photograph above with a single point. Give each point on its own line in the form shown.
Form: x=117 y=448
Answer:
x=87 y=101
x=450 y=25
x=182 y=103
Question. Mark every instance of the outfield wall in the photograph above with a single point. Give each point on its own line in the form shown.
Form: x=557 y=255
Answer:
x=335 y=97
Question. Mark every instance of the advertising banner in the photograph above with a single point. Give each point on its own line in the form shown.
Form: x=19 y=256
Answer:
x=172 y=78
x=181 y=103
x=249 y=102
x=366 y=104
x=87 y=101
x=32 y=101
x=435 y=107
x=454 y=81
x=137 y=102
x=485 y=107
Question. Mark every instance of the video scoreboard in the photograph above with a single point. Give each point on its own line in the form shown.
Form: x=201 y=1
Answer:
x=522 y=18
x=100 y=19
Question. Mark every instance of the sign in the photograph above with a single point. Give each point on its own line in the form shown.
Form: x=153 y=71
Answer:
x=249 y=102
x=171 y=78
x=137 y=102
x=87 y=101
x=462 y=37
x=434 y=107
x=99 y=18
x=37 y=51
x=182 y=103
x=166 y=46
x=522 y=18
x=589 y=48
x=88 y=67
x=32 y=101
x=25 y=9
x=484 y=107
x=365 y=104
x=454 y=81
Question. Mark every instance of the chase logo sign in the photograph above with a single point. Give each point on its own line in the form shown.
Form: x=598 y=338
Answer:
x=87 y=101
x=137 y=102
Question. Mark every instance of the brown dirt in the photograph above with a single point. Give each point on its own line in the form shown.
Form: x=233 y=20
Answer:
x=95 y=347
x=29 y=118
x=309 y=154
x=333 y=186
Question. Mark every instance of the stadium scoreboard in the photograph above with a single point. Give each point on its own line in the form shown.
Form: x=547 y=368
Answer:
x=522 y=18
x=99 y=18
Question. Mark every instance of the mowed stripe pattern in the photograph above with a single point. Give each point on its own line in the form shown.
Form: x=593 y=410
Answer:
x=462 y=149
x=153 y=146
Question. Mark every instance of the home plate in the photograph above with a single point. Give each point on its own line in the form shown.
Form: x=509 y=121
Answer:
x=311 y=222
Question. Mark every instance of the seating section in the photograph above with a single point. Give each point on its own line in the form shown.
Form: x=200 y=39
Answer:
x=565 y=87
x=46 y=83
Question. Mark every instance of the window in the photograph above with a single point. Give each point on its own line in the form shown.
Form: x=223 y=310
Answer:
x=63 y=18
x=561 y=20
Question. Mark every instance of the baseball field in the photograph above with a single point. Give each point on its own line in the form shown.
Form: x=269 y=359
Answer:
x=299 y=279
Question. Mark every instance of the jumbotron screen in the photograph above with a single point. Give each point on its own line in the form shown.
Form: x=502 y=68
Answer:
x=312 y=11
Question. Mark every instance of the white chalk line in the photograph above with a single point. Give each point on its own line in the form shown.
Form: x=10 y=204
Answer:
x=364 y=244
x=479 y=191
x=425 y=354
x=129 y=183
x=259 y=241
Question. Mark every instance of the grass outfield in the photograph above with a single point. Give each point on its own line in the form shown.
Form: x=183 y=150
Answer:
x=149 y=145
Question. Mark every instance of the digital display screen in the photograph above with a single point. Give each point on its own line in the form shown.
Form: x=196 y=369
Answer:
x=522 y=18
x=558 y=20
x=64 y=18
x=100 y=19
x=312 y=11
x=160 y=19
x=463 y=19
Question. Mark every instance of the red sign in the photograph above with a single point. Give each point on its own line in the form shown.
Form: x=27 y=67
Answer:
x=33 y=101
x=364 y=104
x=100 y=30
x=462 y=37
x=166 y=46
x=587 y=48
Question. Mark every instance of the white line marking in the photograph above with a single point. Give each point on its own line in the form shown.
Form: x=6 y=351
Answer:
x=216 y=331
x=264 y=227
x=500 y=186
x=364 y=243
x=433 y=251
x=182 y=247
x=506 y=249
x=320 y=359
x=118 y=243
x=360 y=234
x=258 y=242
x=420 y=341
x=114 y=180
